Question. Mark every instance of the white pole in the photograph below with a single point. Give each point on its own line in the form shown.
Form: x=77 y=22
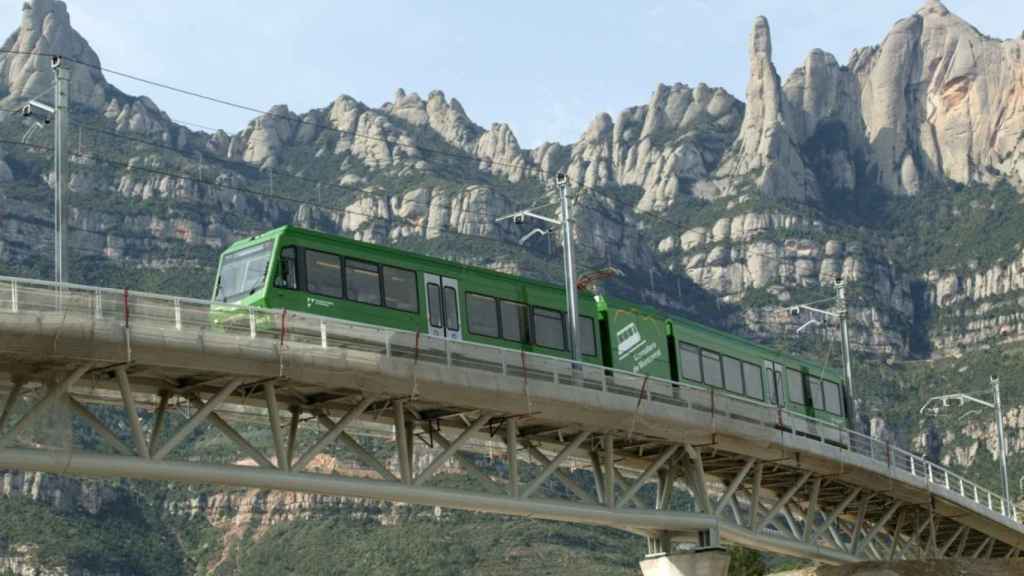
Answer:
x=1012 y=509
x=847 y=362
x=60 y=169
x=570 y=266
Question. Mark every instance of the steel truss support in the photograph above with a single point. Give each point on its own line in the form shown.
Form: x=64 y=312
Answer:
x=293 y=433
x=862 y=510
x=232 y=434
x=626 y=485
x=451 y=448
x=333 y=431
x=783 y=509
x=551 y=467
x=962 y=544
x=404 y=445
x=141 y=445
x=198 y=418
x=646 y=475
x=274 y=413
x=811 y=516
x=610 y=473
x=693 y=466
x=954 y=538
x=159 y=417
x=831 y=518
x=468 y=465
x=755 y=494
x=781 y=502
x=9 y=402
x=512 y=446
x=733 y=485
x=877 y=528
x=55 y=390
x=980 y=551
x=896 y=534
x=99 y=427
x=108 y=466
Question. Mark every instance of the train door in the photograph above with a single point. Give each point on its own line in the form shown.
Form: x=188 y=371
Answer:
x=774 y=374
x=443 y=314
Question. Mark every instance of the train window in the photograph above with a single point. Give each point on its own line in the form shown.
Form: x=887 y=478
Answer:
x=712 y=365
x=451 y=309
x=796 y=386
x=817 y=398
x=514 y=321
x=362 y=281
x=548 y=327
x=434 y=305
x=323 y=274
x=690 y=357
x=482 y=315
x=588 y=343
x=752 y=380
x=400 y=289
x=833 y=401
x=287 y=274
x=733 y=374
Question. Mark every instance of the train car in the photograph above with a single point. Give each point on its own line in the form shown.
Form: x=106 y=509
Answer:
x=718 y=359
x=321 y=274
x=338 y=277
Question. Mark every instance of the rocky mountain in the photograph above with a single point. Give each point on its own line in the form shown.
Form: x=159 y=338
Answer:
x=901 y=171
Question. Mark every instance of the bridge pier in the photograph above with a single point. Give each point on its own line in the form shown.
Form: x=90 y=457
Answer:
x=696 y=562
x=708 y=558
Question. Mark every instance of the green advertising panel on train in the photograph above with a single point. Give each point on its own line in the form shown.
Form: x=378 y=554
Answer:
x=636 y=339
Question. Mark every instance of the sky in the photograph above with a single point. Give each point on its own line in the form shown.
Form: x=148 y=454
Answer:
x=545 y=68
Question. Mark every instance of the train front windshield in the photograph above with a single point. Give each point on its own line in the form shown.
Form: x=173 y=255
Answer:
x=243 y=273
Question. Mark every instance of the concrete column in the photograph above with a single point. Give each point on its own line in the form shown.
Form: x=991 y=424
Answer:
x=699 y=562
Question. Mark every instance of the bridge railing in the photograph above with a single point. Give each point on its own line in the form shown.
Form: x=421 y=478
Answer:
x=187 y=316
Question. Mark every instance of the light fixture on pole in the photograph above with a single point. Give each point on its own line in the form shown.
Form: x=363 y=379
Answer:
x=58 y=116
x=841 y=313
x=937 y=403
x=565 y=222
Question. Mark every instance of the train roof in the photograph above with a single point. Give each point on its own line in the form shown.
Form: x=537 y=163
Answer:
x=395 y=252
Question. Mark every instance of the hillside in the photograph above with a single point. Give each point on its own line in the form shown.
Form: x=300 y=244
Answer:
x=901 y=170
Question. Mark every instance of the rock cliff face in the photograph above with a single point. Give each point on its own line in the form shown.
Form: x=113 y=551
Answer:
x=46 y=29
x=935 y=100
x=940 y=99
x=667 y=148
x=986 y=304
x=766 y=153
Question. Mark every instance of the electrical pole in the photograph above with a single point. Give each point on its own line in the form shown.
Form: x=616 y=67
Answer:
x=841 y=312
x=570 y=266
x=1002 y=446
x=60 y=116
x=937 y=402
x=564 y=221
x=844 y=313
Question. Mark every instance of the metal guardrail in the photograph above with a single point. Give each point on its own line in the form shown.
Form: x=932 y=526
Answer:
x=184 y=315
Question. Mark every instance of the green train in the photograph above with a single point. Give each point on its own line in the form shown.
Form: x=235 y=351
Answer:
x=316 y=273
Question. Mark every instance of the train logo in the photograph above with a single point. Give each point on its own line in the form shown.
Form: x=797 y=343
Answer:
x=628 y=339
